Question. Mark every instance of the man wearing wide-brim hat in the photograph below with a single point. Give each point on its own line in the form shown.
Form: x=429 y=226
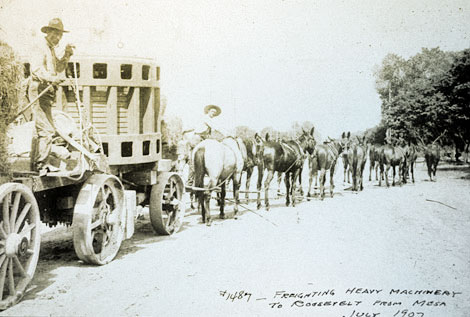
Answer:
x=46 y=68
x=209 y=125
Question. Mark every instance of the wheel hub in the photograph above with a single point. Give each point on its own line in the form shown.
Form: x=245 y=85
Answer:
x=16 y=245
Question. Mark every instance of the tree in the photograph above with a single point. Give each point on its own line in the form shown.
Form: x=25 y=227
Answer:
x=11 y=75
x=244 y=132
x=412 y=106
x=172 y=132
x=455 y=86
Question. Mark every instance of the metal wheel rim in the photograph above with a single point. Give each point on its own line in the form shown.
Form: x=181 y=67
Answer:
x=98 y=226
x=167 y=205
x=20 y=240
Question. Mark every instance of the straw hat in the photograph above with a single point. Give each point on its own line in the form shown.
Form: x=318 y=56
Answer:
x=209 y=107
x=54 y=24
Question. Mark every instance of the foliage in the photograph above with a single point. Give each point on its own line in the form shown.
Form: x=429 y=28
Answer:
x=11 y=74
x=424 y=96
x=172 y=131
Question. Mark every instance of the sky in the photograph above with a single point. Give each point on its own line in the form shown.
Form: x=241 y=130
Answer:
x=266 y=63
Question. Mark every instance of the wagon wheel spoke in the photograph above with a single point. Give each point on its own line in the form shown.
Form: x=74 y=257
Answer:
x=14 y=210
x=11 y=280
x=27 y=229
x=23 y=214
x=19 y=265
x=3 y=272
x=6 y=212
x=3 y=234
x=96 y=224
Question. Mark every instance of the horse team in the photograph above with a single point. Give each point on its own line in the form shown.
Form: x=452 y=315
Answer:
x=224 y=161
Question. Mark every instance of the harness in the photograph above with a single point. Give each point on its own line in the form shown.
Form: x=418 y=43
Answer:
x=292 y=149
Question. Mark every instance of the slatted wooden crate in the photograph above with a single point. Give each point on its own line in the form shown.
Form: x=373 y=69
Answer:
x=121 y=99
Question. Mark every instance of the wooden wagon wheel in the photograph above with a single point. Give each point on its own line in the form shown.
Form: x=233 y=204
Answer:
x=167 y=205
x=98 y=223
x=20 y=240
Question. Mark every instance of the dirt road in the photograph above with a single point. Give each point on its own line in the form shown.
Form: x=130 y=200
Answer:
x=402 y=251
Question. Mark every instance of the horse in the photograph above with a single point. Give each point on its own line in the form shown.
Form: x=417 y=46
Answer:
x=432 y=156
x=392 y=156
x=307 y=142
x=253 y=158
x=282 y=157
x=325 y=157
x=374 y=158
x=184 y=148
x=346 y=163
x=221 y=162
x=357 y=156
x=411 y=153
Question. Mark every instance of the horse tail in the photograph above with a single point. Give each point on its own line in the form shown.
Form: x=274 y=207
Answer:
x=354 y=158
x=199 y=170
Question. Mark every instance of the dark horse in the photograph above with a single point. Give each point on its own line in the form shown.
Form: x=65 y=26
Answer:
x=253 y=159
x=325 y=157
x=392 y=156
x=346 y=163
x=357 y=156
x=221 y=162
x=411 y=153
x=282 y=157
x=374 y=159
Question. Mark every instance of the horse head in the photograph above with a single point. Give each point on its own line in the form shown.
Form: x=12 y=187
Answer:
x=307 y=141
x=345 y=142
x=258 y=148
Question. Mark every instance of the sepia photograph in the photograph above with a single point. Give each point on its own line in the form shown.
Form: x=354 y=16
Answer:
x=235 y=158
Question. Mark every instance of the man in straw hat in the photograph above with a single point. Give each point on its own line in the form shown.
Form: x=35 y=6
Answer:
x=45 y=70
x=209 y=125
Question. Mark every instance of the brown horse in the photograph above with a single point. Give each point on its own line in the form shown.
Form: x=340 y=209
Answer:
x=411 y=153
x=357 y=156
x=345 y=159
x=282 y=157
x=432 y=156
x=392 y=156
x=374 y=159
x=252 y=160
x=221 y=162
x=325 y=157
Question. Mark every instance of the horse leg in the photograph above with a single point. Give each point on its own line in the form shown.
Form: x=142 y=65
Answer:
x=236 y=179
x=249 y=171
x=268 y=180
x=412 y=172
x=332 y=184
x=393 y=174
x=387 y=168
x=354 y=178
x=296 y=174
x=258 y=187
x=300 y=182
x=289 y=186
x=371 y=167
x=310 y=180
x=381 y=166
x=322 y=183
x=279 y=180
x=429 y=166
x=222 y=201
